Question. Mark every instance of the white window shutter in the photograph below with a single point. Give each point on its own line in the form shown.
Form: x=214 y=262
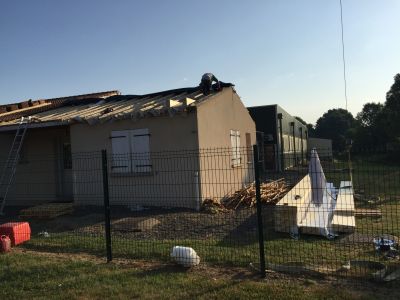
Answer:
x=120 y=152
x=235 y=144
x=140 y=145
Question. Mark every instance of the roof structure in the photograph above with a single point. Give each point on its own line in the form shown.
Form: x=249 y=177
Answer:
x=103 y=107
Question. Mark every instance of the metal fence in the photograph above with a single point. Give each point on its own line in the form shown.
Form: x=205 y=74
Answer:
x=336 y=216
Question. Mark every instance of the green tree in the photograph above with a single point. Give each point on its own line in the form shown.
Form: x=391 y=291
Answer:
x=369 y=130
x=337 y=125
x=392 y=109
x=370 y=114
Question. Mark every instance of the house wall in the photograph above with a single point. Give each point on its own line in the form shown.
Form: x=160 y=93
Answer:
x=171 y=182
x=39 y=175
x=267 y=121
x=216 y=118
x=323 y=146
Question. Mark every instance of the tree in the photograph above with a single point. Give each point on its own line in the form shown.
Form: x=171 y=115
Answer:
x=370 y=129
x=392 y=109
x=335 y=124
x=369 y=115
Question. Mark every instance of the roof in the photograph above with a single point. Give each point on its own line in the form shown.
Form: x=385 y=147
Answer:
x=103 y=107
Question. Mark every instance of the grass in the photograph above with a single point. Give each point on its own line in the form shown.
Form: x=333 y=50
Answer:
x=33 y=276
x=311 y=251
x=376 y=181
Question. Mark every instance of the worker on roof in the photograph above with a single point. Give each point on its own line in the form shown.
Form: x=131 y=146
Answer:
x=206 y=83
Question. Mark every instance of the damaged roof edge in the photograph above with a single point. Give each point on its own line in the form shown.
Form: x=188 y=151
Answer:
x=71 y=110
x=14 y=127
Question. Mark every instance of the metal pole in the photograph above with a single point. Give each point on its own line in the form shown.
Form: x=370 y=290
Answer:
x=107 y=219
x=259 y=212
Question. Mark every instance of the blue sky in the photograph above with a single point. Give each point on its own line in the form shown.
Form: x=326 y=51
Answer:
x=285 y=52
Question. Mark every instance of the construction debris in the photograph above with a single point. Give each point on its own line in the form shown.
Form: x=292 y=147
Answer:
x=213 y=206
x=271 y=193
x=364 y=212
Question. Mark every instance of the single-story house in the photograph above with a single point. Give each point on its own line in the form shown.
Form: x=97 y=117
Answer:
x=282 y=138
x=173 y=148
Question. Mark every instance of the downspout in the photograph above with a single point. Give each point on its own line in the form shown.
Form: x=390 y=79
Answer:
x=197 y=190
x=306 y=134
x=281 y=142
x=302 y=146
x=294 y=143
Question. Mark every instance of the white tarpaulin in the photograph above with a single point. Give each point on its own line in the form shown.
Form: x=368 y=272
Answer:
x=320 y=211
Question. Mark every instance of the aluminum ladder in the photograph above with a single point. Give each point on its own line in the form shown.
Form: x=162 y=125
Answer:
x=10 y=166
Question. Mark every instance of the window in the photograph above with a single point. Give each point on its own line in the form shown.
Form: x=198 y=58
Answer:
x=235 y=143
x=131 y=151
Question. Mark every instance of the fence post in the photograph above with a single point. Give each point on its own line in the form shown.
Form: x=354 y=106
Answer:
x=259 y=212
x=107 y=219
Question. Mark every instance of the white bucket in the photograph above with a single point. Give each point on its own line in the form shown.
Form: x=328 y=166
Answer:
x=185 y=256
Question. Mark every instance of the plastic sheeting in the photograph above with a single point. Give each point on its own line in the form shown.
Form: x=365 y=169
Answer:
x=322 y=202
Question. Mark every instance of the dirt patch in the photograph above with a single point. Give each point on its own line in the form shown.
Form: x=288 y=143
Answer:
x=160 y=224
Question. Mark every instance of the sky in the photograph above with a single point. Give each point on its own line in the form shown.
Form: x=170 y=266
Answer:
x=285 y=52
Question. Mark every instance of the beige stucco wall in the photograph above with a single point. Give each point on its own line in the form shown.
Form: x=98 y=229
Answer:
x=174 y=164
x=39 y=175
x=216 y=117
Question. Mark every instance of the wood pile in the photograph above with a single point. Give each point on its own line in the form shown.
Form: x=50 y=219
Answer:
x=213 y=206
x=271 y=193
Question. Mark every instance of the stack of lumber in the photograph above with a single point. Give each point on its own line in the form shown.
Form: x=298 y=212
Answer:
x=271 y=193
x=47 y=211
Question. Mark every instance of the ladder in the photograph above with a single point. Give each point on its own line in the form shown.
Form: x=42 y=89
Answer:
x=11 y=163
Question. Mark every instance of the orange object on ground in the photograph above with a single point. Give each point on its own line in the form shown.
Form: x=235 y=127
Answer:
x=5 y=244
x=18 y=232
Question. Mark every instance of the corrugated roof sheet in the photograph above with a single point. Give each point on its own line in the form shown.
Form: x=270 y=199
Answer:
x=101 y=110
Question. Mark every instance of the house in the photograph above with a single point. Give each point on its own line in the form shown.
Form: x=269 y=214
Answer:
x=282 y=138
x=173 y=148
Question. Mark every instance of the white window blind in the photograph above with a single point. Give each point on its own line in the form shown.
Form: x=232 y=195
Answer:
x=131 y=151
x=235 y=143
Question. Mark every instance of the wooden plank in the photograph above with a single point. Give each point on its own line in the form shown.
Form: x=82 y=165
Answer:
x=364 y=212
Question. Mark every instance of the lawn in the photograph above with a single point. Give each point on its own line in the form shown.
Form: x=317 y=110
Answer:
x=378 y=184
x=49 y=276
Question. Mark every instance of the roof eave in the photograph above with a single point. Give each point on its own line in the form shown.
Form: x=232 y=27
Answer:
x=4 y=128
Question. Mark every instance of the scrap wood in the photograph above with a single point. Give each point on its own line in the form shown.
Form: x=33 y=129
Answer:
x=47 y=211
x=212 y=205
x=271 y=193
x=364 y=212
